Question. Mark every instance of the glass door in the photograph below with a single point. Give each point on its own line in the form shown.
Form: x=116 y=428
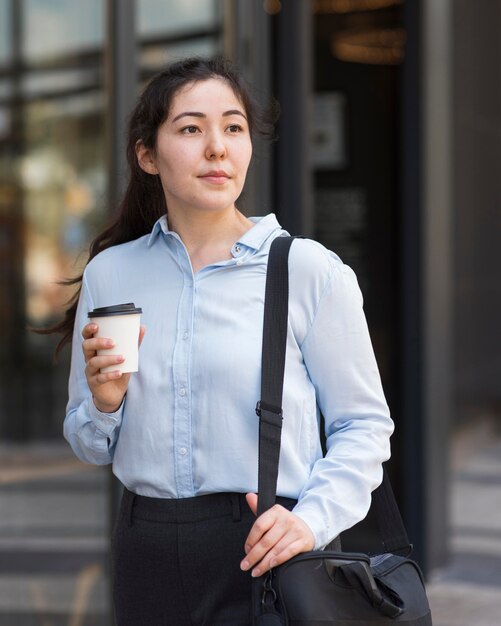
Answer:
x=55 y=521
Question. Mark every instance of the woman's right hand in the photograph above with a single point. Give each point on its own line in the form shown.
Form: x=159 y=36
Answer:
x=108 y=390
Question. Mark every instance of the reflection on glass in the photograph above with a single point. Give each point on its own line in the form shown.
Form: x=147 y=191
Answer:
x=159 y=17
x=54 y=27
x=62 y=173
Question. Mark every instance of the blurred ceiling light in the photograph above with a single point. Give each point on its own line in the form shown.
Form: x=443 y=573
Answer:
x=79 y=198
x=373 y=47
x=273 y=7
x=352 y=6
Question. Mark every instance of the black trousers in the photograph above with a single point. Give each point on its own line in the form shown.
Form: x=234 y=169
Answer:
x=177 y=562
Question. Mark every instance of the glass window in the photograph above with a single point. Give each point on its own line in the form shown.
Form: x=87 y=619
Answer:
x=5 y=32
x=54 y=527
x=5 y=90
x=155 y=57
x=53 y=82
x=63 y=177
x=180 y=29
x=54 y=27
x=177 y=16
x=55 y=522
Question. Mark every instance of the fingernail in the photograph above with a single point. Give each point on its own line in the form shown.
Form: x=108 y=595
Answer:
x=256 y=573
x=119 y=359
x=109 y=343
x=244 y=565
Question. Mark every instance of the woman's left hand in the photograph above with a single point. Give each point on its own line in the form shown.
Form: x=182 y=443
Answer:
x=276 y=536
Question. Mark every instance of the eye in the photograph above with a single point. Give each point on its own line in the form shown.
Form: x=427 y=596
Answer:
x=190 y=130
x=235 y=128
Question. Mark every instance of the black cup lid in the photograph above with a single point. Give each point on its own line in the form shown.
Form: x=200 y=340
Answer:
x=116 y=309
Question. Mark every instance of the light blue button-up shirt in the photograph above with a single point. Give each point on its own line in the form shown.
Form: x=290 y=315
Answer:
x=188 y=425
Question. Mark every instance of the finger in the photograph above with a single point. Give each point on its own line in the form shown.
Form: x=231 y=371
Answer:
x=88 y=330
x=281 y=552
x=97 y=363
x=261 y=526
x=265 y=532
x=90 y=346
x=101 y=379
x=288 y=536
x=252 y=502
x=265 y=548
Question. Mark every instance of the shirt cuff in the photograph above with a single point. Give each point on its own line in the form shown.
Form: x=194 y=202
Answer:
x=318 y=526
x=106 y=423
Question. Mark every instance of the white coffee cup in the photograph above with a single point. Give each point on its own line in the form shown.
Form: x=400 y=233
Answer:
x=121 y=323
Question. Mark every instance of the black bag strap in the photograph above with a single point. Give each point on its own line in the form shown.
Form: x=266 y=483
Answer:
x=269 y=408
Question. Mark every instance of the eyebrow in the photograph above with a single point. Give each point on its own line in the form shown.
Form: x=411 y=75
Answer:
x=199 y=114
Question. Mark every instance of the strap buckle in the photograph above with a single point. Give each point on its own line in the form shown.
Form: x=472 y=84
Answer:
x=264 y=406
x=269 y=596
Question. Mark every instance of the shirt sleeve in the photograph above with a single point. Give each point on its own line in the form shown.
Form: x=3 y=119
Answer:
x=340 y=360
x=91 y=433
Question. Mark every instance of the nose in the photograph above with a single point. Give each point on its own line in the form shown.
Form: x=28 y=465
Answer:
x=216 y=147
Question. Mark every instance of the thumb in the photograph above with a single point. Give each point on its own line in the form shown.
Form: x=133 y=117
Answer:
x=252 y=502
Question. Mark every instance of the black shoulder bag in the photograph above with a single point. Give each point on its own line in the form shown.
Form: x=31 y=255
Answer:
x=325 y=587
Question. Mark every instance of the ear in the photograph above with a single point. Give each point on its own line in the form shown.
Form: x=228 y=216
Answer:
x=145 y=158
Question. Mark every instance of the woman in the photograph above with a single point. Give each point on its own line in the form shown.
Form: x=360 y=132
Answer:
x=182 y=432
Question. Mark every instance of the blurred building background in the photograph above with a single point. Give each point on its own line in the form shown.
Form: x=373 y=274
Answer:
x=389 y=154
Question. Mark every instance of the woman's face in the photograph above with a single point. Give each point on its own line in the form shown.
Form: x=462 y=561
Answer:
x=203 y=148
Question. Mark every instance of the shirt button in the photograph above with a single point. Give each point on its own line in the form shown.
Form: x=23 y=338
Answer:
x=182 y=451
x=182 y=391
x=186 y=334
x=239 y=262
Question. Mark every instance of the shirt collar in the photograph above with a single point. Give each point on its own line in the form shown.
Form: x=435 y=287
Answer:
x=259 y=233
x=159 y=226
x=254 y=238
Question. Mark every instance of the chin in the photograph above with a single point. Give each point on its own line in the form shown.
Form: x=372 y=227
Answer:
x=217 y=205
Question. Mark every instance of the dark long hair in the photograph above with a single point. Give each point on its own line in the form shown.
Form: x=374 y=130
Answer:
x=144 y=200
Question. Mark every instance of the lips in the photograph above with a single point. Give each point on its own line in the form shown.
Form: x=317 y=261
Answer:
x=216 y=176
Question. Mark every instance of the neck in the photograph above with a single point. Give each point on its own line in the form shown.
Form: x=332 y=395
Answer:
x=207 y=229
